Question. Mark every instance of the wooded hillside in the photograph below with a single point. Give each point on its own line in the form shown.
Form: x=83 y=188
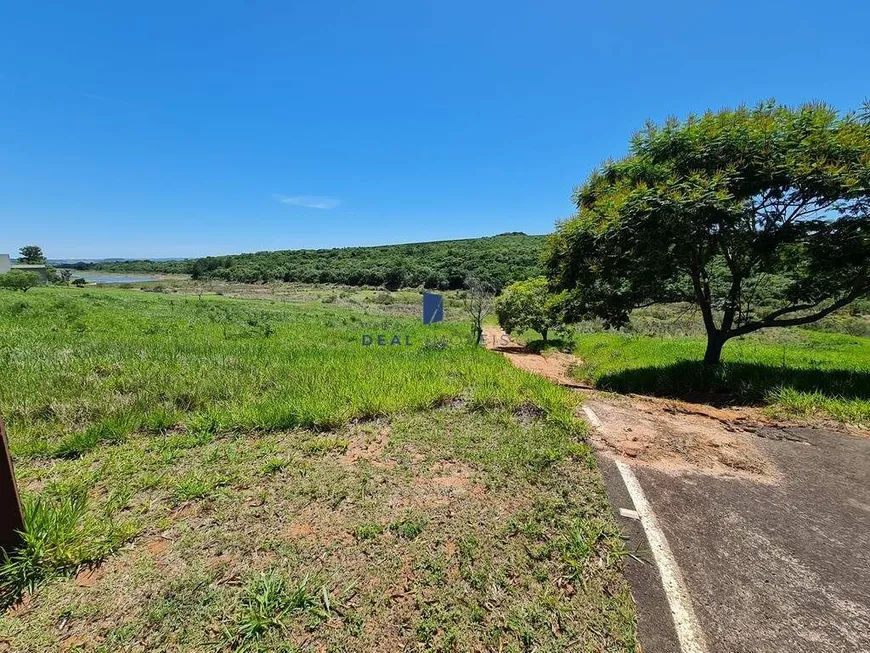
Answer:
x=440 y=264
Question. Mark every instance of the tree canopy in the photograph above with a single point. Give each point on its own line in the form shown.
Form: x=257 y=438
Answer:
x=444 y=264
x=759 y=216
x=31 y=255
x=529 y=305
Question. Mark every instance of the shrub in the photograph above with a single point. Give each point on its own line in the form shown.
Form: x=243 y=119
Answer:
x=19 y=280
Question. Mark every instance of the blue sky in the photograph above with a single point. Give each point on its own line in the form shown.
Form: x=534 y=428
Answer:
x=176 y=129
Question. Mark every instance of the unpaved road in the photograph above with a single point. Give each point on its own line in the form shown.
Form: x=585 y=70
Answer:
x=769 y=525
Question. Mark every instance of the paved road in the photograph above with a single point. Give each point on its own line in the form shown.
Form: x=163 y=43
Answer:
x=781 y=567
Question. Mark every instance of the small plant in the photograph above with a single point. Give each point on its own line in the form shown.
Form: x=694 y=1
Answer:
x=60 y=537
x=323 y=445
x=581 y=543
x=193 y=486
x=160 y=420
x=468 y=547
x=265 y=605
x=367 y=531
x=436 y=344
x=408 y=528
x=19 y=307
x=383 y=298
x=267 y=602
x=274 y=465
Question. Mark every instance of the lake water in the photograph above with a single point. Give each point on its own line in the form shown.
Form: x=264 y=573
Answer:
x=111 y=277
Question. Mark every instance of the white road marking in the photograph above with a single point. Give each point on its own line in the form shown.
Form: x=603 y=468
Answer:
x=631 y=514
x=593 y=418
x=685 y=622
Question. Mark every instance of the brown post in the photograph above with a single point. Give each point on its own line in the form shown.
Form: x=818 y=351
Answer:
x=11 y=519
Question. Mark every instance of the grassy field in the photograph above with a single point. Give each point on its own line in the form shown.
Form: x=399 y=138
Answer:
x=795 y=373
x=207 y=473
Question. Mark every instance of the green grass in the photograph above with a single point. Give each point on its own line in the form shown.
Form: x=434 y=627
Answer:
x=246 y=475
x=83 y=369
x=795 y=372
x=61 y=537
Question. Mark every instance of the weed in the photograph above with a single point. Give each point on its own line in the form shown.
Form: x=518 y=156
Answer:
x=367 y=531
x=581 y=543
x=409 y=527
x=268 y=601
x=274 y=465
x=60 y=537
x=324 y=445
x=193 y=486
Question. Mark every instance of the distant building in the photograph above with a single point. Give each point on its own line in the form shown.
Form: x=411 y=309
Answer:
x=6 y=265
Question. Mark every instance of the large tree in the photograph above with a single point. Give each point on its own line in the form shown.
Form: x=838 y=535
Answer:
x=759 y=216
x=32 y=255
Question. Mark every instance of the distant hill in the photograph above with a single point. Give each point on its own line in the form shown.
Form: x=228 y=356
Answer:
x=443 y=264
x=72 y=262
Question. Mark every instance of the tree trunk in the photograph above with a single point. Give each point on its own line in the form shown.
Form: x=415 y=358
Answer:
x=715 y=340
x=544 y=333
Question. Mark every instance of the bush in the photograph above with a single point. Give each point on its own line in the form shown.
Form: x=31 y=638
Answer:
x=19 y=280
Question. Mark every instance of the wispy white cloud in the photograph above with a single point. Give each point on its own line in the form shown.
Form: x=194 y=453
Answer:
x=309 y=201
x=93 y=96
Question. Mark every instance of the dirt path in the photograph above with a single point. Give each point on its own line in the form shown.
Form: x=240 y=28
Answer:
x=553 y=366
x=669 y=435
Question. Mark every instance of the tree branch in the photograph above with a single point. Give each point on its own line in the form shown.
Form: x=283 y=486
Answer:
x=788 y=309
x=769 y=321
x=702 y=298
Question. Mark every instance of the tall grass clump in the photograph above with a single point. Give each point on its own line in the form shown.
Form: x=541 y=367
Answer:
x=60 y=537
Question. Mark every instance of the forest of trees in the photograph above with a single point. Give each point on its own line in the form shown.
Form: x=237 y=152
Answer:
x=445 y=264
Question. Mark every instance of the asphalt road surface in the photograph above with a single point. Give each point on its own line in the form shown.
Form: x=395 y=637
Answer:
x=770 y=567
